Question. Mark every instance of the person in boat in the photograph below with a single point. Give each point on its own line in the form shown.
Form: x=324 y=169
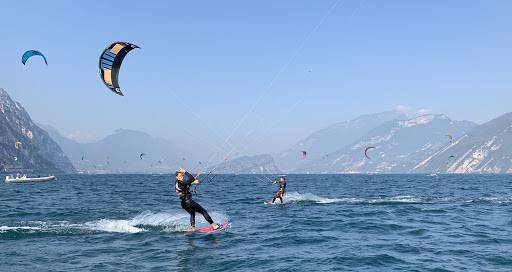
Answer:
x=182 y=186
x=282 y=188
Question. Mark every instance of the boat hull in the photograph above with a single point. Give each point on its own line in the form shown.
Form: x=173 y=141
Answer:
x=23 y=180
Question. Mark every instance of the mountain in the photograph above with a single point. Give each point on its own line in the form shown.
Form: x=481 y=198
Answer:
x=120 y=153
x=332 y=138
x=72 y=149
x=399 y=146
x=24 y=147
x=486 y=148
x=259 y=164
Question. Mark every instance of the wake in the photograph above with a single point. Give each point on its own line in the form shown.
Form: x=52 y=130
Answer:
x=144 y=222
x=295 y=197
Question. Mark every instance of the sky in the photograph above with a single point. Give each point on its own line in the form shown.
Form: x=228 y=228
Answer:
x=255 y=76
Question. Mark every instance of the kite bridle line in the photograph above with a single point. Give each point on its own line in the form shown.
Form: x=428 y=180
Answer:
x=276 y=77
x=264 y=92
x=235 y=149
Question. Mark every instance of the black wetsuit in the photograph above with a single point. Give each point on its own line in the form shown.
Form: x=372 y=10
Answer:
x=280 y=193
x=182 y=188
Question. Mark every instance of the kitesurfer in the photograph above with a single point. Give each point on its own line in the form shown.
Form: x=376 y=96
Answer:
x=282 y=187
x=182 y=186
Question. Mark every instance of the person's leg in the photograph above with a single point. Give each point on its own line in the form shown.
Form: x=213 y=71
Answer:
x=275 y=197
x=197 y=208
x=281 y=199
x=186 y=206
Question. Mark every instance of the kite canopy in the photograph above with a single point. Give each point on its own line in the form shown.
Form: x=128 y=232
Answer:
x=304 y=154
x=17 y=144
x=27 y=55
x=110 y=63
x=450 y=137
x=366 y=151
x=142 y=155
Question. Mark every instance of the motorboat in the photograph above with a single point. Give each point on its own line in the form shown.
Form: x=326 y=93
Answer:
x=23 y=178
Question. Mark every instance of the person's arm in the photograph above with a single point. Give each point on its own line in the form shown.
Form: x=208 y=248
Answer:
x=190 y=179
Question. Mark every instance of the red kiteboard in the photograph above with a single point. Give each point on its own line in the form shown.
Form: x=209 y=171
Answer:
x=209 y=229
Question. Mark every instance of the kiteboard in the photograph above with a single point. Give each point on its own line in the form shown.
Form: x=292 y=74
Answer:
x=209 y=229
x=269 y=202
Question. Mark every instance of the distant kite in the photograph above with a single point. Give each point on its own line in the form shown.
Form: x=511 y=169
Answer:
x=110 y=63
x=142 y=155
x=17 y=144
x=30 y=53
x=304 y=154
x=450 y=137
x=366 y=151
x=450 y=158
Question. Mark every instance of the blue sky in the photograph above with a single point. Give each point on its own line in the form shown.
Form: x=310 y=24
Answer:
x=289 y=67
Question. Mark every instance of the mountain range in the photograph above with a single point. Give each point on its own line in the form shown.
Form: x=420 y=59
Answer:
x=399 y=145
x=124 y=151
x=259 y=164
x=484 y=149
x=331 y=138
x=430 y=143
x=25 y=147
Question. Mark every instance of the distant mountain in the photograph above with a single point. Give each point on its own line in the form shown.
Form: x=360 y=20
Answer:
x=260 y=164
x=72 y=149
x=486 y=148
x=24 y=147
x=399 y=146
x=332 y=138
x=120 y=153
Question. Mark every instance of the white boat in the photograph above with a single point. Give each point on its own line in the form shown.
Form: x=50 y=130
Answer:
x=24 y=178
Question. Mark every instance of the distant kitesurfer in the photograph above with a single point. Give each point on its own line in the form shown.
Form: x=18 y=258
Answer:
x=183 y=182
x=282 y=188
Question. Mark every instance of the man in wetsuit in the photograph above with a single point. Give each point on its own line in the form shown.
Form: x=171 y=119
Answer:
x=182 y=186
x=282 y=187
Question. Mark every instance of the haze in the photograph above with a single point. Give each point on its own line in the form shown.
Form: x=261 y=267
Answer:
x=255 y=76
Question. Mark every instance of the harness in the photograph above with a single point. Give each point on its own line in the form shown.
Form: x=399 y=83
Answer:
x=179 y=191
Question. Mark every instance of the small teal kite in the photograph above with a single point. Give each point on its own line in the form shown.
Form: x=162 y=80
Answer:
x=31 y=53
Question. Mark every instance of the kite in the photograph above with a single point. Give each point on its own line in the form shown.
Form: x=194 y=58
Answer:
x=30 y=53
x=110 y=63
x=304 y=154
x=17 y=144
x=450 y=137
x=366 y=151
x=141 y=155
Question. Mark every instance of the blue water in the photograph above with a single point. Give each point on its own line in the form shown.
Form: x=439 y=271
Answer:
x=327 y=223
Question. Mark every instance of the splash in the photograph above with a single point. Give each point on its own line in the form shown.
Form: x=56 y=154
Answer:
x=18 y=229
x=494 y=200
x=295 y=197
x=143 y=222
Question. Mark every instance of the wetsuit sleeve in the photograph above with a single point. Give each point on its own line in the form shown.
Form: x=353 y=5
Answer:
x=188 y=179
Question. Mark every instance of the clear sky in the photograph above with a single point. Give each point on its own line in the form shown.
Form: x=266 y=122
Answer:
x=288 y=67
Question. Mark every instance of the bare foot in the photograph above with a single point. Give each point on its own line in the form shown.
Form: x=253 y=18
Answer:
x=214 y=226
